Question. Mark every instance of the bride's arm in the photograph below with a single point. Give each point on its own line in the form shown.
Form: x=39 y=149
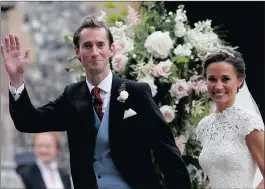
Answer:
x=208 y=187
x=255 y=143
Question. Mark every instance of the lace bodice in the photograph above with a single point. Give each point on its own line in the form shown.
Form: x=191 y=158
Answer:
x=225 y=157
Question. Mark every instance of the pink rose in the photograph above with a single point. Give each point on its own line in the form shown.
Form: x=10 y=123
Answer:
x=119 y=62
x=168 y=112
x=179 y=89
x=123 y=45
x=181 y=143
x=163 y=69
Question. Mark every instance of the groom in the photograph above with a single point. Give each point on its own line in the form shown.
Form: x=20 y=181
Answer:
x=108 y=149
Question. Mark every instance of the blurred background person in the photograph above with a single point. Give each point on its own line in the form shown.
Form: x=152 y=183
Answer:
x=45 y=173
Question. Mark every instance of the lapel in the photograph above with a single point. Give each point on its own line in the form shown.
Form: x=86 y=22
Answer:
x=64 y=178
x=36 y=177
x=83 y=103
x=116 y=111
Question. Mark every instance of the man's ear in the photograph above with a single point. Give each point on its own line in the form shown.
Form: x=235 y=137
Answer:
x=77 y=52
x=112 y=50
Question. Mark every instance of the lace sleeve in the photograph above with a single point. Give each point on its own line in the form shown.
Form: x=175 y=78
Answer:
x=251 y=121
x=200 y=131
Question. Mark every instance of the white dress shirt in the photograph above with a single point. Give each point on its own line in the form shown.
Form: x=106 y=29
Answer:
x=16 y=92
x=105 y=89
x=50 y=175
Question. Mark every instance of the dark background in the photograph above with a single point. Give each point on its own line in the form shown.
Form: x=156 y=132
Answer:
x=244 y=23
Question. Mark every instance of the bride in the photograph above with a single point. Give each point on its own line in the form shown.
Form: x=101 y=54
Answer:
x=233 y=136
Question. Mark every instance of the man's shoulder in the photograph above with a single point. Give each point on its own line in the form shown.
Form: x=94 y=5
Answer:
x=27 y=170
x=76 y=85
x=134 y=85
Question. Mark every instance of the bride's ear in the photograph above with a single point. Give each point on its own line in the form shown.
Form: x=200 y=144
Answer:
x=240 y=81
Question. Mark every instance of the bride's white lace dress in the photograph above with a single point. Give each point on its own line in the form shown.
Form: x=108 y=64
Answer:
x=225 y=157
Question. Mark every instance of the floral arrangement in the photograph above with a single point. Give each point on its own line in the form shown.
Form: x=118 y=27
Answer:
x=163 y=50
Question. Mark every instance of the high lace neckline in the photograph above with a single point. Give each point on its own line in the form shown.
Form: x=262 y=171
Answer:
x=226 y=110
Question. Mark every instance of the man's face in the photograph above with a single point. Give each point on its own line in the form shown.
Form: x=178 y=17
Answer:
x=45 y=147
x=94 y=50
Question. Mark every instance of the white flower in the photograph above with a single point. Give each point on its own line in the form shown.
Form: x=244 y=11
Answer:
x=123 y=96
x=180 y=19
x=150 y=80
x=119 y=62
x=182 y=50
x=159 y=44
x=170 y=13
x=181 y=143
x=203 y=41
x=163 y=69
x=179 y=89
x=180 y=30
x=168 y=112
x=119 y=24
x=134 y=56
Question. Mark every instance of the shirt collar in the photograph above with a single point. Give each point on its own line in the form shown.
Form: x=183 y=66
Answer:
x=44 y=166
x=105 y=85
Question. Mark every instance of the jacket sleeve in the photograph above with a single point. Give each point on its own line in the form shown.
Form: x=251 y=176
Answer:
x=50 y=117
x=162 y=143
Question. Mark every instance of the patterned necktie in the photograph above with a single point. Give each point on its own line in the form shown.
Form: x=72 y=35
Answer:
x=97 y=102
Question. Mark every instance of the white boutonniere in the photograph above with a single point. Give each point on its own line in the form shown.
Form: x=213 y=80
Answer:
x=123 y=93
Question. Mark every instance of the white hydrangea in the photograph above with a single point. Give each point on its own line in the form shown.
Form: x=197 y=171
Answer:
x=183 y=50
x=202 y=42
x=204 y=26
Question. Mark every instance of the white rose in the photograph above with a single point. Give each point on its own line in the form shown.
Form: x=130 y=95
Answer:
x=168 y=112
x=163 y=69
x=150 y=80
x=119 y=62
x=179 y=89
x=159 y=44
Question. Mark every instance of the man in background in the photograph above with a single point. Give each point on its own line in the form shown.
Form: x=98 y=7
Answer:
x=45 y=173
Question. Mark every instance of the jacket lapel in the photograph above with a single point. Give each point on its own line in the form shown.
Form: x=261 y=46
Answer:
x=65 y=179
x=116 y=110
x=83 y=103
x=37 y=177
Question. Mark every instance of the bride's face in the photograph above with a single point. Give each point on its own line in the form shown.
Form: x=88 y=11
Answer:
x=222 y=83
